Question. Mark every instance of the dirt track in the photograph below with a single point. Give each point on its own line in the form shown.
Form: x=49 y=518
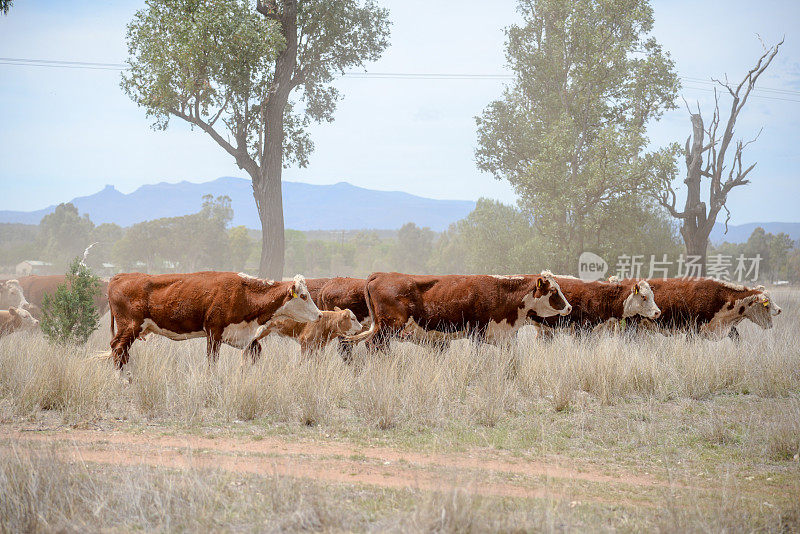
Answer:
x=483 y=471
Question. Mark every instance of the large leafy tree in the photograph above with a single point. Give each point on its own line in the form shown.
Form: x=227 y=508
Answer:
x=253 y=78
x=569 y=133
x=64 y=233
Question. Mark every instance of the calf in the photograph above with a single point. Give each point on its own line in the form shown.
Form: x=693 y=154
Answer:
x=487 y=307
x=223 y=307
x=316 y=335
x=16 y=319
x=341 y=292
x=708 y=307
x=600 y=304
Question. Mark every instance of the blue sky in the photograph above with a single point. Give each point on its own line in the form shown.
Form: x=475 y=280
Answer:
x=68 y=132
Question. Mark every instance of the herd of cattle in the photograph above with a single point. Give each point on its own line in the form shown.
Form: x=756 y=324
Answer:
x=238 y=309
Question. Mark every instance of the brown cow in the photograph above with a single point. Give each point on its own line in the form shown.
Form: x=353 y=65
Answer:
x=709 y=307
x=315 y=335
x=15 y=319
x=35 y=287
x=489 y=307
x=223 y=307
x=597 y=304
x=340 y=292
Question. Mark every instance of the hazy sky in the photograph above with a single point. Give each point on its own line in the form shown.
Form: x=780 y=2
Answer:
x=68 y=132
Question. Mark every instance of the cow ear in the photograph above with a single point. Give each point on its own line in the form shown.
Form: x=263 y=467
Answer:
x=636 y=289
x=13 y=311
x=337 y=308
x=540 y=283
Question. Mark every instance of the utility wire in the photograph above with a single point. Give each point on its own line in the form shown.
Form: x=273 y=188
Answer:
x=776 y=94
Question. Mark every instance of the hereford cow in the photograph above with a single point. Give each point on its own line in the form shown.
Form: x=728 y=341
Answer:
x=35 y=287
x=447 y=307
x=223 y=307
x=602 y=304
x=711 y=308
x=11 y=294
x=340 y=292
x=316 y=335
x=15 y=319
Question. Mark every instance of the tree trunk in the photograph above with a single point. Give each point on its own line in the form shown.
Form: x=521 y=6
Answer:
x=694 y=236
x=269 y=201
x=267 y=184
x=697 y=245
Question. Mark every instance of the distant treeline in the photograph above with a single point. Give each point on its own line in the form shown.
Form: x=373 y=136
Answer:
x=494 y=238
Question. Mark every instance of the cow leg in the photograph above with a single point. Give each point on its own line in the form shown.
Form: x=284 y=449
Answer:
x=380 y=342
x=121 y=342
x=346 y=351
x=252 y=353
x=735 y=335
x=213 y=342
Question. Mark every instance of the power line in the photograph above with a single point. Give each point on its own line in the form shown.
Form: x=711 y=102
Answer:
x=91 y=65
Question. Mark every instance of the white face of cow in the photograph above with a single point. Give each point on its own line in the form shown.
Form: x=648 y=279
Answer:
x=640 y=302
x=299 y=307
x=11 y=294
x=22 y=319
x=547 y=299
x=761 y=309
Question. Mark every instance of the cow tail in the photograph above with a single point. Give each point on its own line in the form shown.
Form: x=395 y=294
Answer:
x=111 y=312
x=370 y=333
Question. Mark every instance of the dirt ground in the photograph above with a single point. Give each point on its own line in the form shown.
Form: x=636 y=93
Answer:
x=486 y=472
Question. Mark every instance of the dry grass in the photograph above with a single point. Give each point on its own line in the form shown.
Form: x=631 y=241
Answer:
x=413 y=385
x=41 y=494
x=691 y=401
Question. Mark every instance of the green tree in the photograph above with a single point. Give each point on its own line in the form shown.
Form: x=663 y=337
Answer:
x=413 y=249
x=231 y=70
x=569 y=134
x=64 y=234
x=69 y=316
x=5 y=6
x=493 y=239
x=240 y=247
x=779 y=246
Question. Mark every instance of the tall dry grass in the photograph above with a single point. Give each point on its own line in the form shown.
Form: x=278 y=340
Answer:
x=413 y=385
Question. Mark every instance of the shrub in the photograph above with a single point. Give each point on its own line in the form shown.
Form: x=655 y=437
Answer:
x=70 y=316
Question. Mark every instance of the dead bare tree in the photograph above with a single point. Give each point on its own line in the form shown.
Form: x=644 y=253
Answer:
x=706 y=159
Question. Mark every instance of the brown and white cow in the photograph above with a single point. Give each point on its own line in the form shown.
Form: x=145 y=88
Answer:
x=488 y=307
x=340 y=292
x=16 y=319
x=11 y=294
x=33 y=289
x=603 y=304
x=315 y=335
x=709 y=307
x=224 y=307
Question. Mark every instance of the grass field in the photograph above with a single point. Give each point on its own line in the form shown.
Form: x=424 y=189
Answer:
x=605 y=433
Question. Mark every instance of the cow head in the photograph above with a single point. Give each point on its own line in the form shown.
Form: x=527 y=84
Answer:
x=21 y=319
x=640 y=302
x=347 y=322
x=299 y=305
x=760 y=308
x=547 y=298
x=11 y=294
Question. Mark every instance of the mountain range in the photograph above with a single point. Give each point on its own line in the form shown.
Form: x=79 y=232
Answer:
x=340 y=206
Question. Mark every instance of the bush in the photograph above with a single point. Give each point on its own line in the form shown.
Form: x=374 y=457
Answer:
x=69 y=316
